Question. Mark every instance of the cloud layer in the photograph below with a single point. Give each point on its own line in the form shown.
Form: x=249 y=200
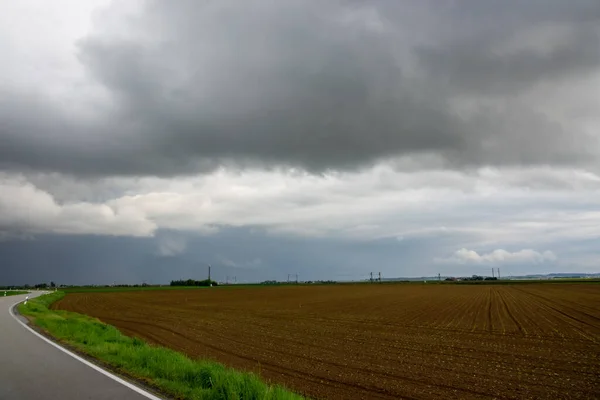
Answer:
x=24 y=209
x=389 y=132
x=166 y=90
x=487 y=206
x=499 y=256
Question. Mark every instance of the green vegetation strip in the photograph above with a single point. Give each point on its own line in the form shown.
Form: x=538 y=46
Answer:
x=84 y=289
x=12 y=292
x=171 y=372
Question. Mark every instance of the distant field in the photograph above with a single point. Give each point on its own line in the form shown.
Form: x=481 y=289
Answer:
x=379 y=341
x=12 y=292
x=556 y=281
x=89 y=289
x=126 y=289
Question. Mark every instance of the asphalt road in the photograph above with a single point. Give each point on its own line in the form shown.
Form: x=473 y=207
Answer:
x=31 y=368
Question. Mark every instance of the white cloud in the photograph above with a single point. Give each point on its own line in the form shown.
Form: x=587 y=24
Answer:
x=485 y=208
x=44 y=59
x=499 y=256
x=24 y=209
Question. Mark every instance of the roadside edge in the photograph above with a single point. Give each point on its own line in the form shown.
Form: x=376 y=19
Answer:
x=145 y=393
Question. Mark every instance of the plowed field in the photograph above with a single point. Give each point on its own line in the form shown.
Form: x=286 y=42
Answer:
x=380 y=341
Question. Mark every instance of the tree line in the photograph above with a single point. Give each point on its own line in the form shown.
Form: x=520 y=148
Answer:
x=191 y=282
x=27 y=286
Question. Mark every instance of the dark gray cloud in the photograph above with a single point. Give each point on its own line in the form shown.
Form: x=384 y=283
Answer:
x=335 y=85
x=496 y=48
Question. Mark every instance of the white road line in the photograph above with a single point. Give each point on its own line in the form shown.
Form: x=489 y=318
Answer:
x=89 y=364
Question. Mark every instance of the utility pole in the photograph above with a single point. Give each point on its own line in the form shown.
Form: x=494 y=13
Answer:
x=371 y=277
x=296 y=279
x=492 y=272
x=498 y=273
x=380 y=277
x=439 y=277
x=289 y=278
x=209 y=272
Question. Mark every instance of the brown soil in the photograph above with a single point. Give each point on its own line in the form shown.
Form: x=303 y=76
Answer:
x=379 y=341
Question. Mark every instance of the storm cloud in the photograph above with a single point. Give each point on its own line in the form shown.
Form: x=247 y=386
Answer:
x=316 y=85
x=320 y=138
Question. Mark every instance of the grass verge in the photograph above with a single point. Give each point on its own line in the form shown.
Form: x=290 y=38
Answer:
x=169 y=371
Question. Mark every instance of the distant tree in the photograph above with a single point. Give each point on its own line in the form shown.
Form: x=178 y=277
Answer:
x=52 y=284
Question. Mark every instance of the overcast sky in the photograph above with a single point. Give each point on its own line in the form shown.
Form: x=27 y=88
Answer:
x=142 y=140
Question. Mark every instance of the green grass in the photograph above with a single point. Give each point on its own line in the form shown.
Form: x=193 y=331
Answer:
x=171 y=372
x=12 y=292
x=93 y=289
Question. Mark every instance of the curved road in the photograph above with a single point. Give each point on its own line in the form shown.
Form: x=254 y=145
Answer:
x=33 y=368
